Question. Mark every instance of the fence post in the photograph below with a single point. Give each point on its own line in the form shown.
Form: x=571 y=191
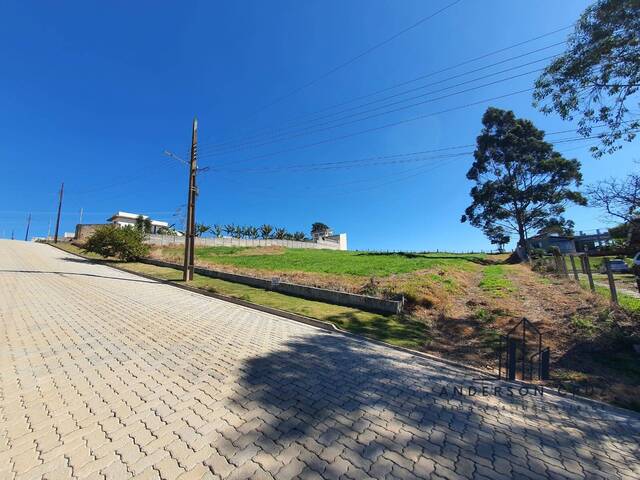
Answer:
x=512 y=344
x=573 y=267
x=557 y=258
x=587 y=266
x=612 y=283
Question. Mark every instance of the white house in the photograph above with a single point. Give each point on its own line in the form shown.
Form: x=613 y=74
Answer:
x=125 y=218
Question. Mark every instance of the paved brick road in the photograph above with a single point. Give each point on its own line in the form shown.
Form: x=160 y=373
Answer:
x=107 y=375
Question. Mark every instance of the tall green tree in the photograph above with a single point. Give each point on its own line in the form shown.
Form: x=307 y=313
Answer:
x=520 y=181
x=597 y=77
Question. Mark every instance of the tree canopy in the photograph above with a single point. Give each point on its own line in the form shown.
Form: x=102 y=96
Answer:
x=521 y=183
x=319 y=228
x=597 y=76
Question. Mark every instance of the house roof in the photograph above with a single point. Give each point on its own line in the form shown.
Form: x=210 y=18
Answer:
x=134 y=216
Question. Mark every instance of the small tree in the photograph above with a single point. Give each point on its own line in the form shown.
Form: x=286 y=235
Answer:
x=597 y=77
x=497 y=236
x=253 y=232
x=124 y=243
x=201 y=229
x=230 y=229
x=265 y=231
x=620 y=199
x=299 y=236
x=143 y=224
x=217 y=230
x=319 y=229
x=170 y=230
x=520 y=181
x=280 y=233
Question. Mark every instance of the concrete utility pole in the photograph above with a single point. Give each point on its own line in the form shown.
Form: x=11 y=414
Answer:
x=55 y=237
x=189 y=241
x=81 y=212
x=26 y=234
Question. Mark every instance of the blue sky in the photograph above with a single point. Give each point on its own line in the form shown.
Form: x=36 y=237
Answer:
x=93 y=92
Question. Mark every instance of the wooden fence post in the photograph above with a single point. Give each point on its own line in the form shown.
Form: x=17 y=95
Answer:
x=587 y=266
x=612 y=283
x=573 y=267
x=565 y=270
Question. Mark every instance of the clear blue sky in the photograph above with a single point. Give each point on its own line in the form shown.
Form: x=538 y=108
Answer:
x=91 y=93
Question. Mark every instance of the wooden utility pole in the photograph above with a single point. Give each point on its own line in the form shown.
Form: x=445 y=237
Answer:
x=189 y=242
x=55 y=236
x=26 y=234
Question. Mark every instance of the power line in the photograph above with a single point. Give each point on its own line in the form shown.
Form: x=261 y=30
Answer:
x=380 y=127
x=233 y=145
x=353 y=59
x=424 y=76
x=328 y=124
x=393 y=158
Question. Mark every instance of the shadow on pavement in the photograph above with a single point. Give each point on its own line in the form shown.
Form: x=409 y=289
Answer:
x=382 y=411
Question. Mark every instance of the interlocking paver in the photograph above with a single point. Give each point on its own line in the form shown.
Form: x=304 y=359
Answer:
x=107 y=375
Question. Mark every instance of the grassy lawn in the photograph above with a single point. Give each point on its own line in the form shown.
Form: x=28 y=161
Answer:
x=357 y=263
x=393 y=329
x=495 y=281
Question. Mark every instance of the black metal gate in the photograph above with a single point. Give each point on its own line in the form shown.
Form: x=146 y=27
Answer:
x=514 y=348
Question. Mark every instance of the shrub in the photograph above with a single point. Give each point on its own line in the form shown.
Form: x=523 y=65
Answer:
x=111 y=241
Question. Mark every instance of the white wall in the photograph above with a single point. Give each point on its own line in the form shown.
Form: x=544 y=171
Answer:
x=339 y=244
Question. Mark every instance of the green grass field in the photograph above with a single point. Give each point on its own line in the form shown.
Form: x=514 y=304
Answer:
x=357 y=263
x=495 y=281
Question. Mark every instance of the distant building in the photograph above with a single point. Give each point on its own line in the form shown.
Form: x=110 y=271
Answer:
x=322 y=234
x=587 y=242
x=123 y=219
x=547 y=241
x=583 y=242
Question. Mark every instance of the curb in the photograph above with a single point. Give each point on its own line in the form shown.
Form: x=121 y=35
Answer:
x=331 y=328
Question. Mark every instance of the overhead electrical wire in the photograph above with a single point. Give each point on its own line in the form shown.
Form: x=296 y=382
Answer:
x=231 y=145
x=355 y=58
x=422 y=77
x=329 y=125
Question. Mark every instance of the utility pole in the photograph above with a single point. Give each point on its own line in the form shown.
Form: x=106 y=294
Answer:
x=55 y=237
x=26 y=234
x=189 y=242
x=81 y=212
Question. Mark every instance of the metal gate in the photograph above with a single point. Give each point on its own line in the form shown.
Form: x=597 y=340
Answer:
x=521 y=349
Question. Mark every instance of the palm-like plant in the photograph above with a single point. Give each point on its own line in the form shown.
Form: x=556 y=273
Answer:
x=253 y=232
x=201 y=229
x=300 y=236
x=229 y=229
x=217 y=230
x=238 y=232
x=265 y=231
x=280 y=233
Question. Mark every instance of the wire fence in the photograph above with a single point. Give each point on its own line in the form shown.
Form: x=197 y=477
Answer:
x=599 y=274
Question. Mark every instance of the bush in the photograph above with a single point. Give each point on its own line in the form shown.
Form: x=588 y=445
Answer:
x=124 y=243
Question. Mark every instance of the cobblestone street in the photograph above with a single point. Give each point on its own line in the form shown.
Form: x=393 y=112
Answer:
x=106 y=375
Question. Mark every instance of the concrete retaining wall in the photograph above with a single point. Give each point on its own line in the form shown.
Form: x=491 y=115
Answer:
x=167 y=240
x=335 y=297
